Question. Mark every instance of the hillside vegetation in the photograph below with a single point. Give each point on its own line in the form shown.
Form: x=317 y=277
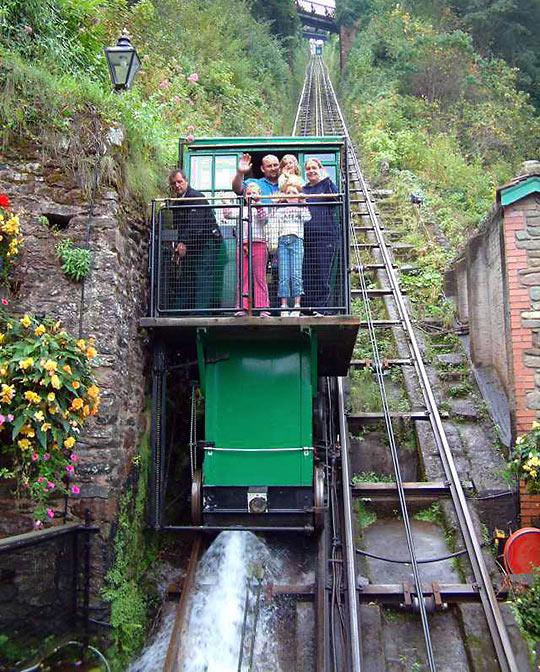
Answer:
x=434 y=117
x=54 y=81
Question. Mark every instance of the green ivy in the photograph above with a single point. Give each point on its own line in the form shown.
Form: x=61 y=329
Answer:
x=126 y=589
x=75 y=260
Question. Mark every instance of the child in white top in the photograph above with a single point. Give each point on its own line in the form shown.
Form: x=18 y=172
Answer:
x=289 y=230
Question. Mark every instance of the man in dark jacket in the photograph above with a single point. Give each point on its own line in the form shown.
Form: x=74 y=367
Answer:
x=193 y=259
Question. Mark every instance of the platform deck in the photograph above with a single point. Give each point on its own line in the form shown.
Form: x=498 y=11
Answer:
x=336 y=334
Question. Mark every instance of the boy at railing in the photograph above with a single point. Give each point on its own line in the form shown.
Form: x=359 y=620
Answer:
x=288 y=229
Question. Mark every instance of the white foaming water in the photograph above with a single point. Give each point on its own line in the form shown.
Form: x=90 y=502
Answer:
x=213 y=637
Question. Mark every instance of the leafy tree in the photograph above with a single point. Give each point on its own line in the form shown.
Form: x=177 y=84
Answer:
x=283 y=18
x=509 y=29
x=349 y=12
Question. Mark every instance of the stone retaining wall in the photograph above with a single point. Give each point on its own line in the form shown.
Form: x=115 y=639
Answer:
x=496 y=285
x=53 y=207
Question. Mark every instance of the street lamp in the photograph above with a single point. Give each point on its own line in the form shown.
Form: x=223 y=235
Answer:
x=123 y=63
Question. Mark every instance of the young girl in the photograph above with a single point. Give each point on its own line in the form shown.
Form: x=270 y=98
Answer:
x=259 y=252
x=289 y=229
x=288 y=166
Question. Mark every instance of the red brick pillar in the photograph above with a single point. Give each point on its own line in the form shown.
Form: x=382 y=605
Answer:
x=519 y=279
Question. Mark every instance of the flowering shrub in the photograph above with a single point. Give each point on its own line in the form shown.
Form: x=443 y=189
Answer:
x=525 y=458
x=47 y=391
x=10 y=236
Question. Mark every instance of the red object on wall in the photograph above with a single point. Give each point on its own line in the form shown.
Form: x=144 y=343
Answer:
x=522 y=551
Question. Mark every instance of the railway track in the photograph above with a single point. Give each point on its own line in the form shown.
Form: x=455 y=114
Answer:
x=336 y=596
x=319 y=113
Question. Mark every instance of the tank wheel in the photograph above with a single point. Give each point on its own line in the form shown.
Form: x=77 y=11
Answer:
x=196 y=498
x=318 y=499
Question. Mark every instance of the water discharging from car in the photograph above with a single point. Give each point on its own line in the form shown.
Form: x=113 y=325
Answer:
x=224 y=612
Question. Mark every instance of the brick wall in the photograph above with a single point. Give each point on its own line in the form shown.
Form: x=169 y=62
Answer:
x=520 y=281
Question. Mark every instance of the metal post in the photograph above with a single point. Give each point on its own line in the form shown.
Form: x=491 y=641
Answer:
x=86 y=598
x=152 y=258
x=240 y=257
x=250 y=258
x=75 y=574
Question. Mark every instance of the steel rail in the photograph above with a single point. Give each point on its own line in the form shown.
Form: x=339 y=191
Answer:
x=350 y=551
x=387 y=416
x=390 y=433
x=492 y=612
x=316 y=120
x=174 y=651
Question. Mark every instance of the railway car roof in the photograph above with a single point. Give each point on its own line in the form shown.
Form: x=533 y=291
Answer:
x=281 y=141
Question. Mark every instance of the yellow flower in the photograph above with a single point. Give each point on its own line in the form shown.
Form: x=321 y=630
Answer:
x=520 y=440
x=2 y=336
x=26 y=321
x=32 y=397
x=67 y=368
x=7 y=394
x=91 y=352
x=76 y=404
x=38 y=415
x=51 y=396
x=81 y=344
x=50 y=366
x=69 y=442
x=3 y=371
x=38 y=331
x=86 y=410
x=24 y=444
x=26 y=363
x=76 y=384
x=93 y=391
x=55 y=382
x=53 y=410
x=535 y=425
x=533 y=473
x=28 y=430
x=45 y=426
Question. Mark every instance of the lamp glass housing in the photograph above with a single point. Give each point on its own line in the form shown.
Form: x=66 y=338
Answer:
x=123 y=62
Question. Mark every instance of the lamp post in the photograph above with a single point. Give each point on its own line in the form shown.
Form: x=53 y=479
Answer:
x=123 y=62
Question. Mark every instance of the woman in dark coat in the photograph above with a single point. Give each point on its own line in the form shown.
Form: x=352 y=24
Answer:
x=320 y=236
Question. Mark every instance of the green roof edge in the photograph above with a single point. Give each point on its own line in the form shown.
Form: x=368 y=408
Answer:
x=516 y=192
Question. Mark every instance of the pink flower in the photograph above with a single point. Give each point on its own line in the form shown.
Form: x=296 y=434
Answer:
x=70 y=468
x=75 y=489
x=35 y=457
x=38 y=524
x=191 y=101
x=47 y=456
x=176 y=99
x=2 y=420
x=28 y=29
x=73 y=457
x=10 y=417
x=50 y=513
x=164 y=83
x=50 y=485
x=5 y=302
x=194 y=77
x=40 y=479
x=190 y=138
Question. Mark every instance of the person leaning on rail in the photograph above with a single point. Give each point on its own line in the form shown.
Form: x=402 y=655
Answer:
x=194 y=273
x=268 y=183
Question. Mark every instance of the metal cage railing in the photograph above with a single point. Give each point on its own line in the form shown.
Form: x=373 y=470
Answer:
x=226 y=256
